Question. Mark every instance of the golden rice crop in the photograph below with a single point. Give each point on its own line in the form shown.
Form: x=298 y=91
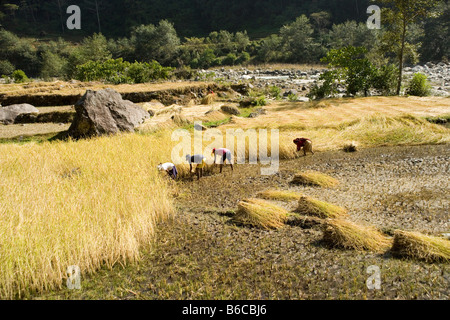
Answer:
x=88 y=203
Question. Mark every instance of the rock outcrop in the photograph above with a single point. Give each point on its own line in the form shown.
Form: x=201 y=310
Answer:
x=104 y=112
x=9 y=114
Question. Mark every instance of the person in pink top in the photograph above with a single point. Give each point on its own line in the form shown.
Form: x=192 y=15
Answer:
x=225 y=154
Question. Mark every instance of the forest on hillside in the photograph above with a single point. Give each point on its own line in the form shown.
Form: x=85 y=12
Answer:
x=123 y=41
x=116 y=18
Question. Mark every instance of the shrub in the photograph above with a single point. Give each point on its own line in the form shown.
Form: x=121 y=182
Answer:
x=260 y=101
x=118 y=71
x=274 y=92
x=243 y=58
x=229 y=60
x=384 y=79
x=6 y=67
x=419 y=86
x=350 y=67
x=328 y=87
x=19 y=76
x=292 y=97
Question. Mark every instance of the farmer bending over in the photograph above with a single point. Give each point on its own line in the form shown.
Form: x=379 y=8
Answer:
x=169 y=168
x=304 y=143
x=225 y=154
x=200 y=160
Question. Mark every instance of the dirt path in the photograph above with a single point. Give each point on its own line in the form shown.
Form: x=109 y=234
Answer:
x=202 y=255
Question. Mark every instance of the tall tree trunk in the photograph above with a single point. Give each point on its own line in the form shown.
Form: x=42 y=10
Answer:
x=61 y=16
x=400 y=67
x=98 y=17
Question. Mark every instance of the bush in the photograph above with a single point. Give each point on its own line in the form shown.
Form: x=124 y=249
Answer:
x=385 y=79
x=118 y=71
x=353 y=69
x=274 y=92
x=292 y=97
x=243 y=58
x=20 y=77
x=328 y=87
x=419 y=86
x=260 y=101
x=6 y=68
x=229 y=60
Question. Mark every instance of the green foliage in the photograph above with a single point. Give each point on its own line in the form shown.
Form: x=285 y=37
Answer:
x=399 y=17
x=297 y=41
x=243 y=58
x=260 y=101
x=19 y=76
x=269 y=49
x=419 y=86
x=229 y=60
x=352 y=67
x=292 y=97
x=274 y=92
x=93 y=48
x=155 y=42
x=53 y=65
x=327 y=88
x=351 y=33
x=117 y=71
x=435 y=44
x=384 y=79
x=6 y=68
x=20 y=52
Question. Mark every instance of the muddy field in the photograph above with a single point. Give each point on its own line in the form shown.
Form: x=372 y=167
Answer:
x=201 y=254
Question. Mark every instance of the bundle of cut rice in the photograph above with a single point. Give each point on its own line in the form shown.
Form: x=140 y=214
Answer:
x=260 y=213
x=315 y=178
x=312 y=207
x=422 y=247
x=346 y=234
x=279 y=195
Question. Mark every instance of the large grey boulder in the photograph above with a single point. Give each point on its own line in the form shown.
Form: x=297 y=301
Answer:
x=104 y=112
x=9 y=114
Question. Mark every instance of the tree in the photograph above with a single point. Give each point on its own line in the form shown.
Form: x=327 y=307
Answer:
x=400 y=14
x=158 y=43
x=435 y=44
x=297 y=40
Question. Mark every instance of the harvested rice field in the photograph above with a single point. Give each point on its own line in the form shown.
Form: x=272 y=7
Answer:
x=202 y=253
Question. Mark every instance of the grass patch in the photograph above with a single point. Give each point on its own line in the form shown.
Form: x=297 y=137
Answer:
x=313 y=207
x=214 y=124
x=421 y=247
x=279 y=195
x=260 y=214
x=314 y=178
x=348 y=235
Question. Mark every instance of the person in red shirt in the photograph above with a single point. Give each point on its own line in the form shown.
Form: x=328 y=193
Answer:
x=304 y=143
